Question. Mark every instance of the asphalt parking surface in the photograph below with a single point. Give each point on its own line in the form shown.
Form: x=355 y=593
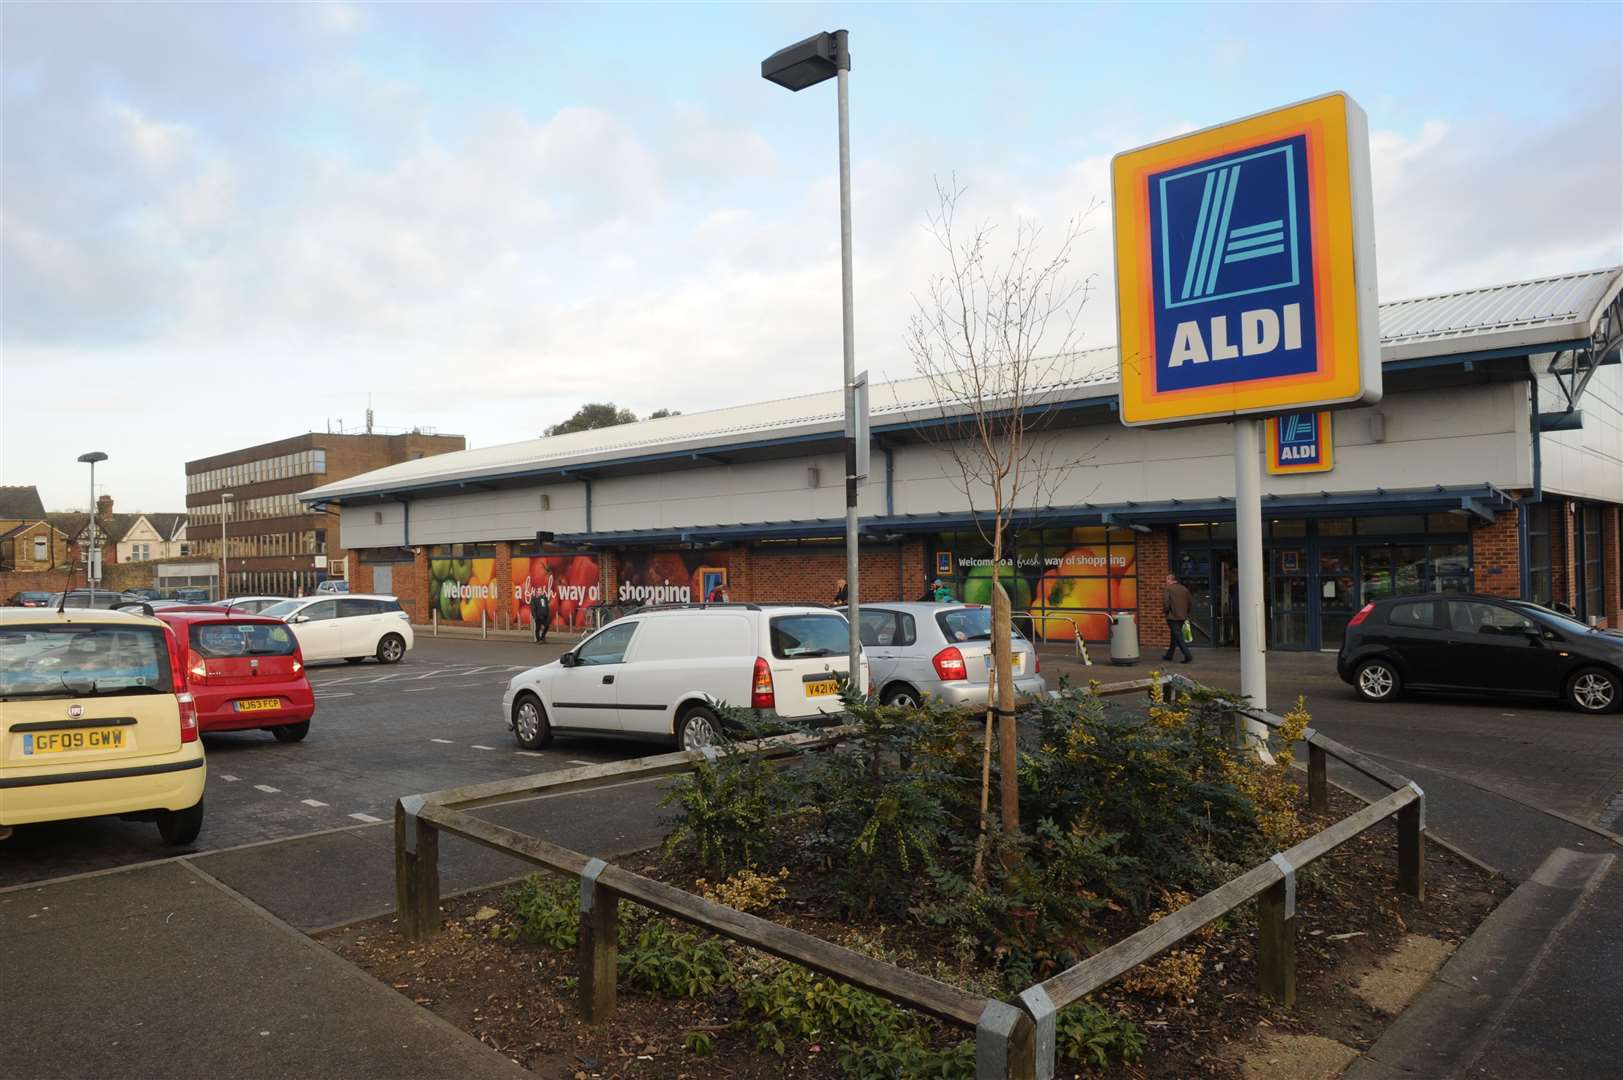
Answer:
x=432 y=721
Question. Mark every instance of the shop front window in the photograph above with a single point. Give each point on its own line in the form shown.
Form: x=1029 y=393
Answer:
x=1538 y=553
x=1592 y=566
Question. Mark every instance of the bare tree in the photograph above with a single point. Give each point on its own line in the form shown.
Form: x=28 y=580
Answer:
x=995 y=340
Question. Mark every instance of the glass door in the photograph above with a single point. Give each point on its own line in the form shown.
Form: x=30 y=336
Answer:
x=1289 y=606
x=1338 y=592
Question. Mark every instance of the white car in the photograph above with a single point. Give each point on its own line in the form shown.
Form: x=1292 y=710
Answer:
x=249 y=605
x=663 y=673
x=347 y=627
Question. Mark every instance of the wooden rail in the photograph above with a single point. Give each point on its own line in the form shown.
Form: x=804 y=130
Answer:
x=1010 y=1041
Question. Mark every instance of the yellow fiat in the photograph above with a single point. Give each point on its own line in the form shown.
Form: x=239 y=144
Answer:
x=96 y=718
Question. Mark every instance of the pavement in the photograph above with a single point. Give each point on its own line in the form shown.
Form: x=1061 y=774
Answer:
x=1531 y=790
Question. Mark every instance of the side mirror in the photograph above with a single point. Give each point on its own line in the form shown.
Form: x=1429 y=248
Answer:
x=299 y=619
x=567 y=659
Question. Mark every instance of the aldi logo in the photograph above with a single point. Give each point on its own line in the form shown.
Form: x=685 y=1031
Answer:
x=1300 y=443
x=1245 y=267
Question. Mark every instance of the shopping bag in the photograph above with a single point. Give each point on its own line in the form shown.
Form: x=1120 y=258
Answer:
x=1188 y=632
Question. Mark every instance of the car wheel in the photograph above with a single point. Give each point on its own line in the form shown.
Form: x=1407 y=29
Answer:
x=1377 y=680
x=181 y=826
x=901 y=695
x=530 y=723
x=353 y=659
x=392 y=649
x=291 y=732
x=1594 y=691
x=698 y=728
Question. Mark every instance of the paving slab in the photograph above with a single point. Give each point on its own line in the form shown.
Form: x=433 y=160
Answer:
x=159 y=972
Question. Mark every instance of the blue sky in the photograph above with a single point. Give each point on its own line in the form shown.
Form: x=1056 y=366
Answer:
x=484 y=215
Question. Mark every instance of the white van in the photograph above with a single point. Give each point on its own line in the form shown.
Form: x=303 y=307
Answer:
x=663 y=673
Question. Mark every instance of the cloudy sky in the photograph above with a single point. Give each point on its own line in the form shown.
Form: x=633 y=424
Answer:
x=233 y=223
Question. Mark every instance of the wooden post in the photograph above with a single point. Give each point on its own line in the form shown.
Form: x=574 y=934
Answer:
x=1276 y=938
x=1412 y=848
x=1005 y=1044
x=599 y=953
x=416 y=870
x=1318 y=781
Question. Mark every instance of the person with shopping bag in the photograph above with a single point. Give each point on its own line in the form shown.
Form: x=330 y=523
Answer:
x=1176 y=602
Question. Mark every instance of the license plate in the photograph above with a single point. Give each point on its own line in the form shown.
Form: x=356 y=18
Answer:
x=1018 y=662
x=823 y=688
x=57 y=742
x=261 y=704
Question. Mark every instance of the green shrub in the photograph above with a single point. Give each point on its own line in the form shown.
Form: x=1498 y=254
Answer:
x=546 y=910
x=673 y=963
x=727 y=811
x=1089 y=1034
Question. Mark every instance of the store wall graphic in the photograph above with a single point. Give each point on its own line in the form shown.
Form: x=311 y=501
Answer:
x=671 y=577
x=1060 y=582
x=462 y=589
x=572 y=584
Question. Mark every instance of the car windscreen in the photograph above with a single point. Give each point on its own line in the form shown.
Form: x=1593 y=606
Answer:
x=797 y=636
x=971 y=624
x=284 y=609
x=220 y=640
x=83 y=661
x=1565 y=623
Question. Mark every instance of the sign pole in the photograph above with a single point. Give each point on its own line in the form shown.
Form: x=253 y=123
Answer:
x=1248 y=533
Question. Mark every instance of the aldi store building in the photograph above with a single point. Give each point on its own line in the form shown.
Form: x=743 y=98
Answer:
x=1493 y=464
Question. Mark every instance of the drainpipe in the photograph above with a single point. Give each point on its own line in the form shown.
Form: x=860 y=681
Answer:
x=588 y=482
x=1526 y=501
x=405 y=523
x=890 y=482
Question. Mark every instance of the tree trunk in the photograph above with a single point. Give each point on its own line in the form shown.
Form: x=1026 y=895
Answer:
x=1008 y=746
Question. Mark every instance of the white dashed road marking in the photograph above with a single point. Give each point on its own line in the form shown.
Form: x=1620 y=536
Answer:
x=325 y=696
x=476 y=746
x=312 y=802
x=445 y=742
x=529 y=753
x=575 y=762
x=228 y=778
x=368 y=818
x=419 y=689
x=267 y=789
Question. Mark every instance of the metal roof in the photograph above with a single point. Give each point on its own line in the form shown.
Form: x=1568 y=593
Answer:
x=1535 y=315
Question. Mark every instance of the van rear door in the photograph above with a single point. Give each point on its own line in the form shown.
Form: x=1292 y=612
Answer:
x=809 y=661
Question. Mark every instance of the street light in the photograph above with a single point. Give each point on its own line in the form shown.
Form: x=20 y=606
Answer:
x=90 y=544
x=807 y=63
x=225 y=512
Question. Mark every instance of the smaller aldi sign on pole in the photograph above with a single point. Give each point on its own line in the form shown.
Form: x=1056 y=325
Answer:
x=1300 y=443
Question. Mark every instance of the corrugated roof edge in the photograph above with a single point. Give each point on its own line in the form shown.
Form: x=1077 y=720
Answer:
x=465 y=465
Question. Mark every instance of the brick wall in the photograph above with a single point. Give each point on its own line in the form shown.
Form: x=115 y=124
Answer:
x=1496 y=555
x=16 y=581
x=812 y=574
x=1153 y=561
x=504 y=581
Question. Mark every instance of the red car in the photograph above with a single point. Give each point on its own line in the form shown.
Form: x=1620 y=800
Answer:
x=245 y=671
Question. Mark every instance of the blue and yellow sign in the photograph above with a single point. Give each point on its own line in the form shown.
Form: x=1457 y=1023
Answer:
x=1245 y=267
x=1300 y=443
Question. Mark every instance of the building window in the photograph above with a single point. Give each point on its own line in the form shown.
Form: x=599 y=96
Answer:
x=1062 y=581
x=1591 y=564
x=1538 y=553
x=42 y=548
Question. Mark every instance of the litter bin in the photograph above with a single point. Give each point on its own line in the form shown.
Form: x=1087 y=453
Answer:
x=1123 y=638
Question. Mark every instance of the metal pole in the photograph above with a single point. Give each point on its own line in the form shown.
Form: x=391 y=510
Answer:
x=90 y=546
x=1248 y=531
x=848 y=314
x=225 y=509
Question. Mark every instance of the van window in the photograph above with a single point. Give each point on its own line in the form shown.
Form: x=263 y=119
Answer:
x=216 y=640
x=795 y=636
x=83 y=661
x=607 y=647
x=694 y=637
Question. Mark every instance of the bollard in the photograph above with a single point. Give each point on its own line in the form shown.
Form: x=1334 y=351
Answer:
x=1412 y=846
x=484 y=624
x=435 y=616
x=598 y=955
x=416 y=870
x=1276 y=937
x=1318 y=781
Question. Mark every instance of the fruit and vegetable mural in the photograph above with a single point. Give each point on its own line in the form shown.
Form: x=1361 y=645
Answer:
x=572 y=582
x=1054 y=579
x=669 y=577
x=463 y=588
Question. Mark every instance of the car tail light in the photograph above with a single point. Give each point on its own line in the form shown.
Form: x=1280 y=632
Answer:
x=188 y=716
x=762 y=695
x=199 y=670
x=1363 y=613
x=298 y=663
x=949 y=664
x=1037 y=661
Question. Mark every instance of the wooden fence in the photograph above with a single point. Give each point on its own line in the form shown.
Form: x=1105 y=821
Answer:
x=1012 y=1039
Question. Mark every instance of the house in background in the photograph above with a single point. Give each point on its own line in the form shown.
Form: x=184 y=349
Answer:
x=151 y=536
x=19 y=505
x=36 y=545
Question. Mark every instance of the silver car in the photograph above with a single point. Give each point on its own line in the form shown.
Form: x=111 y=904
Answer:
x=940 y=650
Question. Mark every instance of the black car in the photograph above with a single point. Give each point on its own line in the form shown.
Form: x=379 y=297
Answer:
x=27 y=598
x=1465 y=643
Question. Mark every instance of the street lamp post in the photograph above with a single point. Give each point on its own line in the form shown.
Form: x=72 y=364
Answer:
x=225 y=512
x=807 y=63
x=90 y=542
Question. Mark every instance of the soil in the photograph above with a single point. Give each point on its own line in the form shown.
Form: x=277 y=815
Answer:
x=519 y=998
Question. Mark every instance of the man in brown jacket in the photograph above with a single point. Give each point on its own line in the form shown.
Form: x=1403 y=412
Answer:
x=1175 y=602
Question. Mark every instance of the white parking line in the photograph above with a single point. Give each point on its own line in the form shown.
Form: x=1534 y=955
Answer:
x=267 y=789
x=476 y=746
x=529 y=753
x=312 y=802
x=325 y=696
x=573 y=761
x=228 y=778
x=368 y=818
x=418 y=689
x=445 y=742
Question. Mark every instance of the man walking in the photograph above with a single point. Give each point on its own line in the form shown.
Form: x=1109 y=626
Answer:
x=540 y=615
x=1175 y=603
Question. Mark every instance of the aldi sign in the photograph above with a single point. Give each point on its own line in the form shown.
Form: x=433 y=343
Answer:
x=1300 y=443
x=1245 y=268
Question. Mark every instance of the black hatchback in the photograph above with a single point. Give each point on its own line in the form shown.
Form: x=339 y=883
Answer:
x=1465 y=643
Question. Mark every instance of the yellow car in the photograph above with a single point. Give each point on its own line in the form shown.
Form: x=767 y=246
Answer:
x=96 y=718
